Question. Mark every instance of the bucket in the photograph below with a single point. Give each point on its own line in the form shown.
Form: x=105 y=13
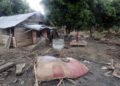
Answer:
x=58 y=44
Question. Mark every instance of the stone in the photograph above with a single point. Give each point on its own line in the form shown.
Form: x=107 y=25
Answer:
x=15 y=80
x=22 y=82
x=2 y=79
x=19 y=68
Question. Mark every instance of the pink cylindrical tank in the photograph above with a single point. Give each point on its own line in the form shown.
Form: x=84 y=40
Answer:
x=50 y=68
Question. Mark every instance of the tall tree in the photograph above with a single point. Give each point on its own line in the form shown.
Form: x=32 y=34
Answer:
x=72 y=14
x=9 y=7
x=81 y=14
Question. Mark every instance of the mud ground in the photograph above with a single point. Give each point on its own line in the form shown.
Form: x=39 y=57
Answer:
x=96 y=53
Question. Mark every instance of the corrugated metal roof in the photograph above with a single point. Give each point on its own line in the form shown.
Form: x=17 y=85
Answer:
x=38 y=27
x=11 y=21
x=35 y=27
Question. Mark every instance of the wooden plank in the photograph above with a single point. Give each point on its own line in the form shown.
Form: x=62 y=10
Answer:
x=79 y=43
x=14 y=42
x=1 y=42
x=23 y=39
x=6 y=66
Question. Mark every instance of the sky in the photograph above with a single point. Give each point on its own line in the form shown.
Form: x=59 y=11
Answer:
x=35 y=5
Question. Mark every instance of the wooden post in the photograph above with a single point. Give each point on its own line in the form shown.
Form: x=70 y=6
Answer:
x=34 y=36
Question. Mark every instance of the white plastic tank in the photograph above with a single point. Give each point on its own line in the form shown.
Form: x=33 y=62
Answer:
x=58 y=44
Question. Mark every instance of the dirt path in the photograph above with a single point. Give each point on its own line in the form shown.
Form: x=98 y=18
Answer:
x=95 y=52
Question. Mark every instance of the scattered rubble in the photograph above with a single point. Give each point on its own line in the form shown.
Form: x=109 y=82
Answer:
x=78 y=43
x=116 y=73
x=74 y=52
x=114 y=69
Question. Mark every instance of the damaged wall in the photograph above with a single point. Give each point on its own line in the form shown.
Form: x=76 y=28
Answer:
x=1 y=42
x=3 y=38
x=22 y=38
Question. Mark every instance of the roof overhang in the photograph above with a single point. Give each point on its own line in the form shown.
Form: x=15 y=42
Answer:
x=38 y=27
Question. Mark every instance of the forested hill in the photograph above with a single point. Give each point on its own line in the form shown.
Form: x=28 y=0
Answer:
x=10 y=7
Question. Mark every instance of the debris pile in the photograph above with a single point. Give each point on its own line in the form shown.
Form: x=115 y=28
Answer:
x=114 y=69
x=79 y=41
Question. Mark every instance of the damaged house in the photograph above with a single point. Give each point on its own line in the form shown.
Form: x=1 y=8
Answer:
x=22 y=30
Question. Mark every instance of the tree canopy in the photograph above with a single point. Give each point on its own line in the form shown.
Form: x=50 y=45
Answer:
x=10 y=7
x=83 y=14
x=73 y=14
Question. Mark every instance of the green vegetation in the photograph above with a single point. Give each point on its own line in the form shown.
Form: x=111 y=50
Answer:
x=84 y=14
x=10 y=7
x=92 y=15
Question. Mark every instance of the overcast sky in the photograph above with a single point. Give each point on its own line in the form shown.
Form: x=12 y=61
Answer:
x=35 y=5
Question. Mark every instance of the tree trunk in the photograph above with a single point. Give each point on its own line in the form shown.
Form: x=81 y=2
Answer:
x=91 y=32
x=108 y=33
x=67 y=30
